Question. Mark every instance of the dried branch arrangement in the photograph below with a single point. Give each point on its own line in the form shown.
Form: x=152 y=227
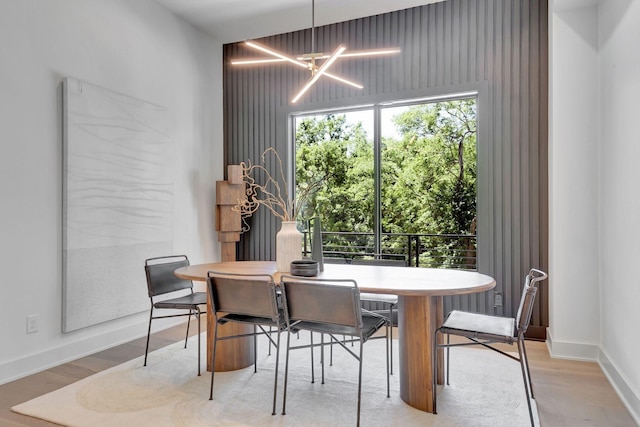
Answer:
x=274 y=193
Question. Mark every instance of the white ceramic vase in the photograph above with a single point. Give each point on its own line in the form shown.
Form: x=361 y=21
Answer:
x=288 y=246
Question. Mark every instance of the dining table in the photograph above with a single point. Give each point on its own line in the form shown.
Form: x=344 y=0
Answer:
x=420 y=294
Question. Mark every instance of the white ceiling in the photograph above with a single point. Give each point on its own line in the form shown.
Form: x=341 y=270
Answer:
x=236 y=20
x=230 y=21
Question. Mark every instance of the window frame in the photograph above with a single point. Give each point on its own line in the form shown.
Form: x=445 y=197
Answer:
x=377 y=108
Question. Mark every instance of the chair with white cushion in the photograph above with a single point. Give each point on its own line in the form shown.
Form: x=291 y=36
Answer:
x=482 y=329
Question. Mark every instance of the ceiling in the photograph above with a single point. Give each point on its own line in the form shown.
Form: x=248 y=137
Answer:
x=237 y=20
x=231 y=21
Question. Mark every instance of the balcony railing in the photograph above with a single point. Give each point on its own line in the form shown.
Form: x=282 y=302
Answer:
x=418 y=250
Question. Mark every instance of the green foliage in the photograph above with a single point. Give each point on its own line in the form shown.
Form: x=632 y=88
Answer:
x=428 y=175
x=431 y=172
x=341 y=153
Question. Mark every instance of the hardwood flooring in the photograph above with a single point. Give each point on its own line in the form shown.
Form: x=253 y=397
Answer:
x=568 y=393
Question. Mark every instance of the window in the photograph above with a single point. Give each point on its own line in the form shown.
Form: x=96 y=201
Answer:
x=399 y=181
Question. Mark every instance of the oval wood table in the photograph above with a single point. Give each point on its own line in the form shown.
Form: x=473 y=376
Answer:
x=420 y=309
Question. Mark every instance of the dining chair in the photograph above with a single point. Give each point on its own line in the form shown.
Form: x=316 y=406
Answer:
x=330 y=307
x=482 y=329
x=370 y=302
x=248 y=299
x=386 y=302
x=161 y=283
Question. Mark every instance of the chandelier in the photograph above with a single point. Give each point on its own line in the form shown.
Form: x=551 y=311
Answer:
x=317 y=63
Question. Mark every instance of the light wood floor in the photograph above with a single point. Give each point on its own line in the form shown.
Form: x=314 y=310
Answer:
x=567 y=393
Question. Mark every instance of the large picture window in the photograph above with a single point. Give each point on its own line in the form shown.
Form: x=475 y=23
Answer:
x=399 y=180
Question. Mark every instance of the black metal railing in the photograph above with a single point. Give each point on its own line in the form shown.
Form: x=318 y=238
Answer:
x=417 y=250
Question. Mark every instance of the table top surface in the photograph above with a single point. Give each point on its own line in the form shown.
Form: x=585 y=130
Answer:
x=405 y=281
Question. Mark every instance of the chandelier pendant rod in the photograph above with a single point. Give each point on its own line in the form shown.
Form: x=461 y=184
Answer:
x=313 y=38
x=313 y=26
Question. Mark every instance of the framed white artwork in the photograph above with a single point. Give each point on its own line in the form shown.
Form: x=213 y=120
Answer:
x=117 y=201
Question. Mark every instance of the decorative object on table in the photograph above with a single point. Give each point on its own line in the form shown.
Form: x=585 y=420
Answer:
x=316 y=243
x=275 y=195
x=304 y=267
x=228 y=220
x=288 y=245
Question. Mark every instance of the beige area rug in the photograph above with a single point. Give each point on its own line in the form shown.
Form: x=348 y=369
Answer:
x=486 y=390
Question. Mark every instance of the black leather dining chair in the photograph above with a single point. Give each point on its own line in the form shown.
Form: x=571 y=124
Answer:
x=248 y=299
x=371 y=302
x=330 y=307
x=161 y=283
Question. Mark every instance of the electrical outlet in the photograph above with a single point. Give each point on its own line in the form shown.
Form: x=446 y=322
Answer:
x=32 y=323
x=497 y=301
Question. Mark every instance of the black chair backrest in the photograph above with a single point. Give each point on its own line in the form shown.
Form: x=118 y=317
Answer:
x=527 y=301
x=160 y=277
x=317 y=251
x=246 y=294
x=334 y=302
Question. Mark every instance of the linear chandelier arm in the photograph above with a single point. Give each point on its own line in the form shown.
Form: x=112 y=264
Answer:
x=319 y=72
x=351 y=54
x=343 y=80
x=279 y=58
x=277 y=54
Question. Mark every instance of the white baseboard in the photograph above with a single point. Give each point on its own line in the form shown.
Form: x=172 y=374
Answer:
x=49 y=358
x=593 y=353
x=629 y=398
x=571 y=350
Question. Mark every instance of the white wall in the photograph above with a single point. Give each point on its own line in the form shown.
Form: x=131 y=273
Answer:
x=573 y=178
x=133 y=47
x=594 y=204
x=619 y=151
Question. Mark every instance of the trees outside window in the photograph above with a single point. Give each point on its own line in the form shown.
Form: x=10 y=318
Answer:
x=411 y=189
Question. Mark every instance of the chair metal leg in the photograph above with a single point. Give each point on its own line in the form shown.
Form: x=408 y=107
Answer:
x=391 y=335
x=313 y=377
x=275 y=381
x=434 y=370
x=322 y=358
x=359 y=382
x=255 y=349
x=526 y=363
x=286 y=375
x=524 y=378
x=213 y=358
x=186 y=337
x=198 y=313
x=331 y=352
x=447 y=368
x=388 y=339
x=146 y=350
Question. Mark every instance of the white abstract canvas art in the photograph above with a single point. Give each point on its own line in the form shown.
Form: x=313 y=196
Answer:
x=118 y=201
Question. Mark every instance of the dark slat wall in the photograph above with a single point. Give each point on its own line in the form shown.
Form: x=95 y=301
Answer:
x=497 y=48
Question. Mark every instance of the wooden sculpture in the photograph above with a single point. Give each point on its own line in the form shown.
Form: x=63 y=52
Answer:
x=228 y=221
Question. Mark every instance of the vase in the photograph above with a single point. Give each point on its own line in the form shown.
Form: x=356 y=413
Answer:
x=288 y=246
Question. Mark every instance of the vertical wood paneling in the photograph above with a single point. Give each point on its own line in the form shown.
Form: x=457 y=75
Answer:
x=500 y=45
